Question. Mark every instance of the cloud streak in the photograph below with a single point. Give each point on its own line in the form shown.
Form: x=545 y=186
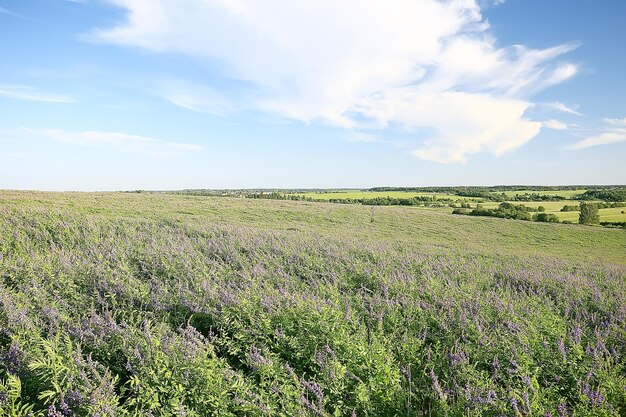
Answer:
x=430 y=68
x=199 y=98
x=555 y=125
x=605 y=138
x=122 y=142
x=560 y=107
x=8 y=12
x=616 y=122
x=615 y=132
x=21 y=92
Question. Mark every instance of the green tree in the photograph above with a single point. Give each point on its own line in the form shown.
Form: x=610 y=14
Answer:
x=546 y=218
x=588 y=213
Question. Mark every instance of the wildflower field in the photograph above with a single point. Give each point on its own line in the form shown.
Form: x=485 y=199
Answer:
x=123 y=304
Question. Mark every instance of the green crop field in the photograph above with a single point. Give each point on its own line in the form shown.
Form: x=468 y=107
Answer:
x=149 y=304
x=359 y=194
x=560 y=193
x=617 y=214
x=550 y=206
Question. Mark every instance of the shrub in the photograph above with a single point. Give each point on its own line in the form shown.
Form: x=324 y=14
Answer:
x=546 y=218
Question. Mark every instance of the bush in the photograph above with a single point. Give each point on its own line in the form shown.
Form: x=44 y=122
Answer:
x=546 y=218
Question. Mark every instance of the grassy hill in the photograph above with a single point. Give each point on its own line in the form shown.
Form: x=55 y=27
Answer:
x=141 y=304
x=408 y=227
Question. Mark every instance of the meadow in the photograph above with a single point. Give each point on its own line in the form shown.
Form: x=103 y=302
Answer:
x=552 y=207
x=145 y=304
x=617 y=214
x=361 y=194
x=561 y=193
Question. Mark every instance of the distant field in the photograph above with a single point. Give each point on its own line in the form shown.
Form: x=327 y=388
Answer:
x=554 y=207
x=561 y=193
x=411 y=226
x=550 y=206
x=358 y=194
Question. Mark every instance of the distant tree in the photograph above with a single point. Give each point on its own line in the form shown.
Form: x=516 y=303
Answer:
x=588 y=213
x=546 y=218
x=541 y=209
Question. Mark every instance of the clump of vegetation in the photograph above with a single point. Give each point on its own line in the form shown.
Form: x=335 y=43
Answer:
x=546 y=218
x=614 y=194
x=504 y=210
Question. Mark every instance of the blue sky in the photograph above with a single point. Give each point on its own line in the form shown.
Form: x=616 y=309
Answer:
x=171 y=94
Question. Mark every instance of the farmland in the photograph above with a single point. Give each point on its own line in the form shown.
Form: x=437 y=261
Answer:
x=362 y=194
x=617 y=214
x=153 y=304
x=561 y=193
x=442 y=200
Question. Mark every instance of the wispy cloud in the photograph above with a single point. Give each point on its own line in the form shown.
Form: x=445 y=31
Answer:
x=616 y=122
x=123 y=142
x=614 y=132
x=6 y=11
x=605 y=138
x=431 y=69
x=22 y=92
x=198 y=98
x=558 y=106
x=555 y=125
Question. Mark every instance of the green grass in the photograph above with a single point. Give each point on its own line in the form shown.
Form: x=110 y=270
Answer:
x=617 y=214
x=561 y=193
x=359 y=194
x=435 y=229
x=550 y=206
x=143 y=304
x=554 y=207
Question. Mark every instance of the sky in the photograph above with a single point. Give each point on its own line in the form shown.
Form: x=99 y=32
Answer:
x=175 y=94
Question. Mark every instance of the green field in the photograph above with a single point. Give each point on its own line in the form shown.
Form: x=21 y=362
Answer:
x=560 y=193
x=152 y=304
x=413 y=226
x=554 y=207
x=359 y=194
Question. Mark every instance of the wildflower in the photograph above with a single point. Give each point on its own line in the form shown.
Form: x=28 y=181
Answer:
x=436 y=386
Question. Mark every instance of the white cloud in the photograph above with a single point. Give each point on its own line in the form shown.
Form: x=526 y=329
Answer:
x=555 y=124
x=424 y=66
x=361 y=137
x=614 y=133
x=605 y=138
x=123 y=142
x=616 y=122
x=198 y=98
x=558 y=106
x=21 y=92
